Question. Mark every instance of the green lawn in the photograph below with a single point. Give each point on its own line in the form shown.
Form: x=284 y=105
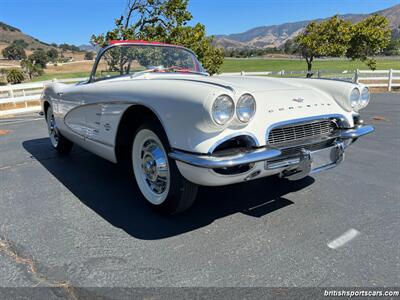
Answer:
x=254 y=65
x=61 y=76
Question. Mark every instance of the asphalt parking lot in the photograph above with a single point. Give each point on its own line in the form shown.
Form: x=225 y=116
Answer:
x=77 y=220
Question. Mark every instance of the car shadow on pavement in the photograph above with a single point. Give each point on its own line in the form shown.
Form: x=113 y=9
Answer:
x=109 y=191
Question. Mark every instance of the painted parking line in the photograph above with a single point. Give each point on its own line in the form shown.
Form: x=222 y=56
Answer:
x=343 y=239
x=17 y=121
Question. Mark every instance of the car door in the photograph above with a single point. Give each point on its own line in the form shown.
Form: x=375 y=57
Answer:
x=84 y=114
x=86 y=119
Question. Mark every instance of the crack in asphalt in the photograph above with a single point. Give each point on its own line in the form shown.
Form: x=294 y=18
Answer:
x=7 y=248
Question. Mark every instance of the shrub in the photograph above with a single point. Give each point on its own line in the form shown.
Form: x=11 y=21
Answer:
x=15 y=76
x=21 y=43
x=89 y=56
x=52 y=55
x=3 y=79
x=31 y=69
x=39 y=57
x=14 y=52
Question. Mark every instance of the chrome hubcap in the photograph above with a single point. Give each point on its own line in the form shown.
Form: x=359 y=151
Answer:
x=53 y=131
x=154 y=166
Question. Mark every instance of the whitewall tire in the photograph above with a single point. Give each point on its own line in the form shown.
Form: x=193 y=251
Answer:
x=57 y=140
x=150 y=165
x=157 y=176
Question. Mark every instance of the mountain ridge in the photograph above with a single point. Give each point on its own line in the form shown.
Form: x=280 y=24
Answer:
x=257 y=37
x=276 y=35
x=9 y=33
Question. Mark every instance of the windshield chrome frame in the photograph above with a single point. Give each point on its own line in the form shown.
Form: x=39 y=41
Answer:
x=101 y=52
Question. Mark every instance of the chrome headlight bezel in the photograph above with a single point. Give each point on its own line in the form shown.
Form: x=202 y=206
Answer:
x=222 y=109
x=246 y=108
x=364 y=98
x=354 y=98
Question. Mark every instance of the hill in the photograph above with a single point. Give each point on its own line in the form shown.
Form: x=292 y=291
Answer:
x=277 y=35
x=8 y=34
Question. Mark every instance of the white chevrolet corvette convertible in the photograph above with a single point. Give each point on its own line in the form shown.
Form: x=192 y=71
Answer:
x=152 y=107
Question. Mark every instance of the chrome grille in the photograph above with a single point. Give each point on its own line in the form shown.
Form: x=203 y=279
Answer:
x=293 y=133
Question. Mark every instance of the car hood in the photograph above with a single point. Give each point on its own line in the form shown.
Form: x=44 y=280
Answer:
x=257 y=83
x=242 y=83
x=247 y=83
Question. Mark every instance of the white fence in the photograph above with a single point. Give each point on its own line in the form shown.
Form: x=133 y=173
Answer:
x=28 y=92
x=378 y=78
x=12 y=95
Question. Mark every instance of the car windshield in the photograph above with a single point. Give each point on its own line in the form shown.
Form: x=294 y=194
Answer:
x=127 y=59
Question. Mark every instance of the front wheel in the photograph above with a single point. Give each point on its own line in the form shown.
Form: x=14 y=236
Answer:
x=157 y=176
x=58 y=141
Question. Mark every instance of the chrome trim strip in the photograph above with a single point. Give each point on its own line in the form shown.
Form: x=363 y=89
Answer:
x=356 y=132
x=198 y=81
x=212 y=162
x=341 y=118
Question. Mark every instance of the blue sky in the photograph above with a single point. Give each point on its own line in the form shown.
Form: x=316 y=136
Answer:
x=73 y=21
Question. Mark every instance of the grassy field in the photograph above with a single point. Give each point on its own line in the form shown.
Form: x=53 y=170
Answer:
x=254 y=65
x=50 y=76
x=237 y=65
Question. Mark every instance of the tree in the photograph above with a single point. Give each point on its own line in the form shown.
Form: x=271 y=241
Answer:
x=195 y=38
x=39 y=57
x=327 y=38
x=164 y=21
x=89 y=56
x=290 y=47
x=31 y=68
x=14 y=52
x=368 y=38
x=14 y=76
x=69 y=47
x=20 y=43
x=52 y=55
x=393 y=48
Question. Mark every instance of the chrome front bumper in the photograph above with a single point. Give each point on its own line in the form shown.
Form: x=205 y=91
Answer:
x=254 y=155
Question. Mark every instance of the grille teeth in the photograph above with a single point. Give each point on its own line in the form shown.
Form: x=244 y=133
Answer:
x=280 y=135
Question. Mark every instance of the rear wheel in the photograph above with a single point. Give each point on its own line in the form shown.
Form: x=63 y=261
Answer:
x=58 y=141
x=157 y=176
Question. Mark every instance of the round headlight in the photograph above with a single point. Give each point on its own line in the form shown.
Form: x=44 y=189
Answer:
x=223 y=109
x=246 y=108
x=364 y=97
x=355 y=99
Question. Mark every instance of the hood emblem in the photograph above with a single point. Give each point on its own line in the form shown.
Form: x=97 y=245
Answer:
x=299 y=100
